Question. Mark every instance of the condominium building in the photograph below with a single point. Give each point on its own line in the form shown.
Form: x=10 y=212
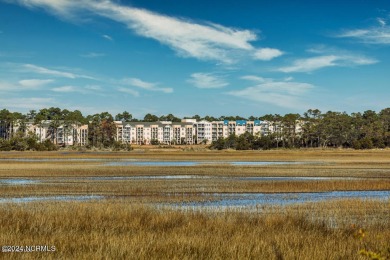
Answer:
x=60 y=133
x=163 y=132
x=189 y=131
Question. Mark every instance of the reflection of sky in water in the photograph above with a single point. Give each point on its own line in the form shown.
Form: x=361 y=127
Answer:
x=17 y=181
x=253 y=199
x=51 y=198
x=233 y=200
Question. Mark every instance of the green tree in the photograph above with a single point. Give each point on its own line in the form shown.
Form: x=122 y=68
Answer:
x=336 y=129
x=150 y=118
x=289 y=127
x=244 y=141
x=219 y=144
x=384 y=116
x=125 y=116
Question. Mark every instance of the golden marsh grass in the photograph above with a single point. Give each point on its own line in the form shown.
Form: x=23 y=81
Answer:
x=127 y=225
x=116 y=230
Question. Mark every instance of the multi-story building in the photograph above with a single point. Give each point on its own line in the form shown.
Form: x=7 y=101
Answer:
x=189 y=131
x=163 y=132
x=216 y=130
x=58 y=133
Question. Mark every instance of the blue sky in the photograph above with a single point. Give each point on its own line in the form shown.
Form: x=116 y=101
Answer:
x=195 y=57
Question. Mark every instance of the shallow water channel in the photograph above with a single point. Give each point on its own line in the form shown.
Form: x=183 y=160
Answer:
x=238 y=200
x=231 y=200
x=217 y=200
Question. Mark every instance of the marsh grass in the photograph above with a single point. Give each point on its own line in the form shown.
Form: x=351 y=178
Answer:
x=129 y=226
x=162 y=189
x=117 y=230
x=66 y=177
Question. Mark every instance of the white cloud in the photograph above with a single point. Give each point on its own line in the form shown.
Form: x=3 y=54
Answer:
x=65 y=89
x=6 y=86
x=139 y=83
x=129 y=91
x=51 y=72
x=94 y=87
x=310 y=64
x=93 y=55
x=207 y=80
x=379 y=34
x=189 y=39
x=146 y=85
x=204 y=41
x=23 y=85
x=254 y=78
x=284 y=94
x=319 y=62
x=34 y=83
x=382 y=22
x=107 y=37
x=28 y=103
x=267 y=54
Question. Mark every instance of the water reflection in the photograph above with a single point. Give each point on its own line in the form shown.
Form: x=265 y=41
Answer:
x=51 y=198
x=281 y=199
x=17 y=181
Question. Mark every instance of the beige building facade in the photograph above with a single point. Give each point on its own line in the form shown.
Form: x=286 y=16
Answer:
x=189 y=131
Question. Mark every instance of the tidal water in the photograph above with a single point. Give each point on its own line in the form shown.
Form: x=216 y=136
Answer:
x=240 y=200
x=50 y=198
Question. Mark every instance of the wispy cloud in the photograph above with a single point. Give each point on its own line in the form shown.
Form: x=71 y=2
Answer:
x=27 y=103
x=129 y=91
x=310 y=64
x=107 y=37
x=204 y=41
x=267 y=54
x=66 y=89
x=319 y=62
x=207 y=80
x=94 y=87
x=255 y=78
x=7 y=86
x=54 y=73
x=378 y=34
x=145 y=85
x=281 y=93
x=23 y=85
x=34 y=83
x=93 y=55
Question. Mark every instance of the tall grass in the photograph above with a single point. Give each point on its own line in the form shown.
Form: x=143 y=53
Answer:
x=127 y=228
x=117 y=230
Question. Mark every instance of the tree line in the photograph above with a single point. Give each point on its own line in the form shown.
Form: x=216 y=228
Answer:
x=365 y=130
x=312 y=129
